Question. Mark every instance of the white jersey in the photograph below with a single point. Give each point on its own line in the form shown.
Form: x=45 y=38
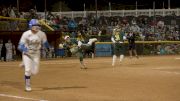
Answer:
x=33 y=41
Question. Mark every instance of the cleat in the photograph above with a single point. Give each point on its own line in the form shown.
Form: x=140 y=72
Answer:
x=83 y=66
x=27 y=84
x=92 y=40
x=28 y=88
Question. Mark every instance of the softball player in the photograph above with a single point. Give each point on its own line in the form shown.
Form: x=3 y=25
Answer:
x=30 y=45
x=80 y=37
x=77 y=47
x=132 y=46
x=87 y=51
x=118 y=38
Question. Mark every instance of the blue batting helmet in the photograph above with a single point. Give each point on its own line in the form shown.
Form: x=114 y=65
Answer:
x=33 y=22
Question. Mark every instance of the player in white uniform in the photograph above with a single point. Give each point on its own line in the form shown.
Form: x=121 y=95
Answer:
x=30 y=45
x=9 y=50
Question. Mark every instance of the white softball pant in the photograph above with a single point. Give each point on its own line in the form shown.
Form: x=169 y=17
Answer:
x=31 y=63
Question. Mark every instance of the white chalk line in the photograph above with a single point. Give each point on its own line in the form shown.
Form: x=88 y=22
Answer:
x=169 y=72
x=176 y=73
x=20 y=97
x=177 y=58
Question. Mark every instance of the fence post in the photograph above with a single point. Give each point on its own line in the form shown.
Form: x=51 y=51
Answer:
x=123 y=12
x=163 y=12
x=110 y=13
x=60 y=14
x=149 y=12
x=178 y=11
x=84 y=13
x=72 y=15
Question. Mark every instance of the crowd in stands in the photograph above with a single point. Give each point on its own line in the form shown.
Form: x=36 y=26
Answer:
x=15 y=25
x=159 y=28
x=153 y=28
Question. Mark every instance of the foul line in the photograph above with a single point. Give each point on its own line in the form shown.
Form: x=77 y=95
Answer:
x=19 y=97
x=169 y=72
x=176 y=73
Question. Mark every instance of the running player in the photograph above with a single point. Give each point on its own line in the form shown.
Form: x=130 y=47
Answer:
x=30 y=44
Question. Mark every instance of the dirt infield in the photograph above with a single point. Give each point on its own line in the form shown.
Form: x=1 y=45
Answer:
x=155 y=78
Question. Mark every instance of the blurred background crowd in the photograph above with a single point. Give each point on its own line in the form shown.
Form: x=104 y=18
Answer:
x=147 y=28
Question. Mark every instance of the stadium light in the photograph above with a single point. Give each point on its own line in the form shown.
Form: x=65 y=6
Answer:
x=45 y=10
x=84 y=7
x=84 y=10
x=136 y=9
x=17 y=5
x=169 y=4
x=163 y=4
x=110 y=8
x=154 y=16
x=96 y=11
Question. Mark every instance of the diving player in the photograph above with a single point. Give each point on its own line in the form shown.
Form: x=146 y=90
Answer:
x=77 y=47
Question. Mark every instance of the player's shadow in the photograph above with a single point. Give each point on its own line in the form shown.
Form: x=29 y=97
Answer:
x=59 y=88
x=100 y=67
x=135 y=65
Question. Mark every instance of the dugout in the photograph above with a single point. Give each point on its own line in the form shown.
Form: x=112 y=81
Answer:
x=52 y=36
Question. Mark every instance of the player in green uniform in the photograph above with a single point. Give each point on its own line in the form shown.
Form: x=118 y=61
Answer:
x=118 y=38
x=77 y=47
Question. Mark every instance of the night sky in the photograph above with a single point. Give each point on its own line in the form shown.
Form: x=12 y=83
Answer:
x=77 y=5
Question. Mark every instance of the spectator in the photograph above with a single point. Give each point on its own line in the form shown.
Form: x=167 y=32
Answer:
x=9 y=50
x=3 y=53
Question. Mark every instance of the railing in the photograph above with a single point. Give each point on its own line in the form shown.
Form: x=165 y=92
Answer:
x=16 y=24
x=122 y=13
x=142 y=47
